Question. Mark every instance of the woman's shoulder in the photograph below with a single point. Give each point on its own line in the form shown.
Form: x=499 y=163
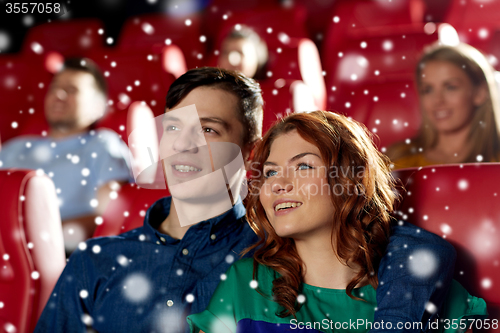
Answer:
x=460 y=303
x=411 y=161
x=243 y=270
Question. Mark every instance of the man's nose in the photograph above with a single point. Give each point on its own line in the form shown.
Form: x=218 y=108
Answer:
x=186 y=141
x=61 y=94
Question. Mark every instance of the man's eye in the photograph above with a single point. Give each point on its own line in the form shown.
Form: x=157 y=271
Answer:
x=270 y=173
x=171 y=128
x=209 y=130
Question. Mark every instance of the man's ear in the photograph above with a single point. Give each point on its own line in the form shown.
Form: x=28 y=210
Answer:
x=100 y=106
x=480 y=94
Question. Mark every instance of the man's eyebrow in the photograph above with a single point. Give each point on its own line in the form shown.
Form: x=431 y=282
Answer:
x=293 y=159
x=216 y=120
x=169 y=117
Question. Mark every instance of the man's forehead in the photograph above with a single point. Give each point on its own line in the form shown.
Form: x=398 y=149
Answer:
x=69 y=75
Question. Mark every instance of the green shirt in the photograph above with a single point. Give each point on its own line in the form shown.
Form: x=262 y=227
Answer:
x=238 y=306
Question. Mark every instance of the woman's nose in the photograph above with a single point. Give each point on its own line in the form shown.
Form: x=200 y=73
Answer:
x=282 y=184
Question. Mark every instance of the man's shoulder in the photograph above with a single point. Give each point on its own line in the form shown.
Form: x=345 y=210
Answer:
x=19 y=142
x=406 y=235
x=99 y=248
x=105 y=140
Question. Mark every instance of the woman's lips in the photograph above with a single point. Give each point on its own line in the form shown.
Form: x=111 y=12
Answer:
x=286 y=207
x=442 y=114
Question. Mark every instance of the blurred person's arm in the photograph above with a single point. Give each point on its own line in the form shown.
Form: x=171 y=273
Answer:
x=79 y=229
x=414 y=278
x=69 y=307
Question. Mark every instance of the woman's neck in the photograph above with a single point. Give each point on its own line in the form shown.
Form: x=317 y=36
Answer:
x=450 y=148
x=322 y=267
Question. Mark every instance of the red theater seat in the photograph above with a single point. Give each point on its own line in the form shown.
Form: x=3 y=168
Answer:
x=71 y=38
x=127 y=211
x=357 y=16
x=150 y=33
x=460 y=203
x=221 y=16
x=375 y=57
x=31 y=247
x=23 y=84
x=367 y=40
x=477 y=24
x=388 y=108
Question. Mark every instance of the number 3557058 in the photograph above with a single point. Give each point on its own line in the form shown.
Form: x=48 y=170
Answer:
x=33 y=7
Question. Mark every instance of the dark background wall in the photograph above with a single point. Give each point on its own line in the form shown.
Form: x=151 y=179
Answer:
x=113 y=13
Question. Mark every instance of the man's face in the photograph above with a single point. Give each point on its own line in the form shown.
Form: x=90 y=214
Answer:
x=193 y=147
x=73 y=102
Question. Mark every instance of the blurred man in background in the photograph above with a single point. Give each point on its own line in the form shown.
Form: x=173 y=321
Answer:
x=86 y=165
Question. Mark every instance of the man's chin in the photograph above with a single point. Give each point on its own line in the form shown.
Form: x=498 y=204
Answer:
x=62 y=125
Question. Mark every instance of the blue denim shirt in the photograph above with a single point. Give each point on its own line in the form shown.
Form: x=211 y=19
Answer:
x=143 y=280
x=415 y=275
x=146 y=281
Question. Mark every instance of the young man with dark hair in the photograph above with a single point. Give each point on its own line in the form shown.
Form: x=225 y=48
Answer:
x=150 y=278
x=85 y=164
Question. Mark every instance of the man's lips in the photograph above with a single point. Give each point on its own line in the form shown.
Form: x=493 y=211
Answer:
x=185 y=168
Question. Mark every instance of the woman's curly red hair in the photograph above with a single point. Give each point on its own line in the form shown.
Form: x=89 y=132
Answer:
x=361 y=222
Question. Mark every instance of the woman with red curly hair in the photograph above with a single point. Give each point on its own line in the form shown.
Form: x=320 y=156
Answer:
x=320 y=200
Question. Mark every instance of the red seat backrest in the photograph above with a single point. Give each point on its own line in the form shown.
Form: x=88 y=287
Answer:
x=31 y=247
x=72 y=38
x=388 y=108
x=477 y=24
x=149 y=33
x=460 y=203
x=23 y=84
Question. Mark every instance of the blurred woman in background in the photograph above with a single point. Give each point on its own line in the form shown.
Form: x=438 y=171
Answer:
x=460 y=110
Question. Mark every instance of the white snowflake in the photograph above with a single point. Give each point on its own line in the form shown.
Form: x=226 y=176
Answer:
x=422 y=263
x=136 y=288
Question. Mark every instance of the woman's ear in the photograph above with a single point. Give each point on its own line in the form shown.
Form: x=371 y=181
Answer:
x=481 y=93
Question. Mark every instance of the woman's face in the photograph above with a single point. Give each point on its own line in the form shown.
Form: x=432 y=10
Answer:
x=448 y=97
x=239 y=54
x=296 y=195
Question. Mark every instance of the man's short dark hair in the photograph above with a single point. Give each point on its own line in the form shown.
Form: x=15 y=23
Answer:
x=88 y=66
x=247 y=90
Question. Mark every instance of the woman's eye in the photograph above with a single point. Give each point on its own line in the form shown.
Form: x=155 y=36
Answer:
x=304 y=166
x=425 y=90
x=452 y=87
x=270 y=173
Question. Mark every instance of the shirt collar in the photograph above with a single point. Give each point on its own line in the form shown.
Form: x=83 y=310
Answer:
x=219 y=226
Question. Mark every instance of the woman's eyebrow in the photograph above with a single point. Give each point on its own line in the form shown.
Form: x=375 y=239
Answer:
x=293 y=159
